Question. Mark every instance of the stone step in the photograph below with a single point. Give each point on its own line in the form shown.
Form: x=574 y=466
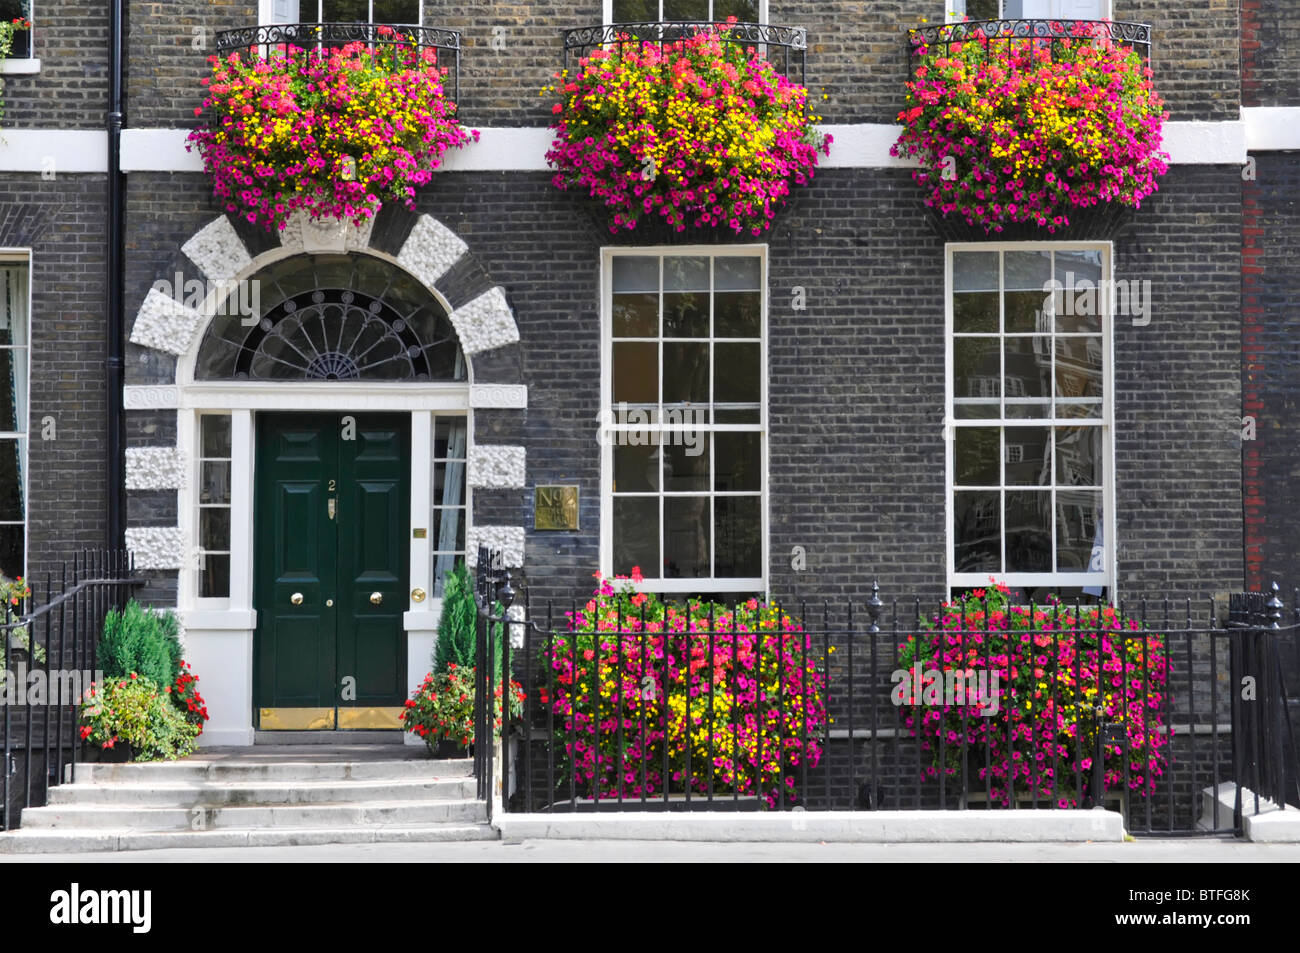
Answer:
x=389 y=813
x=80 y=840
x=197 y=769
x=189 y=793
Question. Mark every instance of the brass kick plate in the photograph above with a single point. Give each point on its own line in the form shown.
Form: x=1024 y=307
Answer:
x=297 y=719
x=373 y=719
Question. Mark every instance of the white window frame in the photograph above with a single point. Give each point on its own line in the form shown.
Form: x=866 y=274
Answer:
x=702 y=584
x=266 y=12
x=16 y=65
x=199 y=506
x=609 y=11
x=19 y=256
x=955 y=11
x=467 y=502
x=1107 y=577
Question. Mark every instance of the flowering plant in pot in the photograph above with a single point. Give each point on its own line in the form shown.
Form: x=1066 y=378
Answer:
x=441 y=712
x=1032 y=130
x=735 y=693
x=334 y=131
x=1048 y=677
x=131 y=719
x=699 y=132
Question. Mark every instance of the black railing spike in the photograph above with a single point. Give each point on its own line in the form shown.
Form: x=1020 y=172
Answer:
x=506 y=594
x=1274 y=607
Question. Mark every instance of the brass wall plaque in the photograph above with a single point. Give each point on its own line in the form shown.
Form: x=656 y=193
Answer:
x=419 y=534
x=555 y=507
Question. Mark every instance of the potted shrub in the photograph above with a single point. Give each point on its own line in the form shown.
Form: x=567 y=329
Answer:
x=698 y=132
x=631 y=658
x=333 y=131
x=1057 y=673
x=1031 y=132
x=131 y=719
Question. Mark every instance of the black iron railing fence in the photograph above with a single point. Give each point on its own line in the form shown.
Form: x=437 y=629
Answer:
x=284 y=36
x=836 y=715
x=786 y=47
x=47 y=654
x=1002 y=37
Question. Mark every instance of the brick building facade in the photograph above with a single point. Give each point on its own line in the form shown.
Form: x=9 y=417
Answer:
x=855 y=438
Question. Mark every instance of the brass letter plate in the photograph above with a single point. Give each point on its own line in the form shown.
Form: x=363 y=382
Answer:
x=555 y=508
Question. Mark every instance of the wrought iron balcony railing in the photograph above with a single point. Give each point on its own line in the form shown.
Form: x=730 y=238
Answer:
x=786 y=47
x=1004 y=35
x=281 y=36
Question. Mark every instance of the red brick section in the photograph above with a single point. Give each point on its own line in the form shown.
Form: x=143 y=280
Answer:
x=1253 y=351
x=1250 y=45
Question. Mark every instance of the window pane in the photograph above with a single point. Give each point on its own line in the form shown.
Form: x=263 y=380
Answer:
x=686 y=315
x=214 y=529
x=977 y=456
x=12 y=537
x=739 y=369
x=1028 y=365
x=449 y=529
x=449 y=438
x=636 y=468
x=686 y=274
x=686 y=9
x=1027 y=271
x=975 y=312
x=1028 y=454
x=976 y=367
x=215 y=487
x=216 y=436
x=397 y=11
x=686 y=373
x=1079 y=308
x=636 y=535
x=686 y=537
x=1078 y=456
x=11 y=480
x=1078 y=367
x=214 y=576
x=738 y=461
x=1029 y=531
x=738 y=314
x=975 y=271
x=10 y=374
x=636 y=315
x=737 y=415
x=342 y=11
x=977 y=531
x=1078 y=530
x=636 y=373
x=636 y=11
x=636 y=274
x=738 y=528
x=977 y=411
x=746 y=11
x=1025 y=312
x=686 y=462
x=737 y=274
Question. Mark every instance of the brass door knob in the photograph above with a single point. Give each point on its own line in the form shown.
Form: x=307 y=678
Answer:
x=376 y=598
x=417 y=594
x=296 y=598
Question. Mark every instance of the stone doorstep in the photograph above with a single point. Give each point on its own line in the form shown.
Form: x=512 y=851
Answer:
x=188 y=792
x=1272 y=825
x=66 y=841
x=875 y=827
x=326 y=815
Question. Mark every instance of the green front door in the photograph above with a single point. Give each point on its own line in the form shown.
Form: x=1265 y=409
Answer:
x=331 y=516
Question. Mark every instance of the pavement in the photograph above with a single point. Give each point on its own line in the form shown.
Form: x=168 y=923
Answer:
x=1139 y=851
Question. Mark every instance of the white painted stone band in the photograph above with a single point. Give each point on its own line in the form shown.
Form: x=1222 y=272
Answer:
x=859 y=145
x=863 y=827
x=498 y=397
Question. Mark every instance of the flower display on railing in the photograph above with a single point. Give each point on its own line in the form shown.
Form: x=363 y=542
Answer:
x=334 y=131
x=1023 y=691
x=727 y=699
x=1032 y=130
x=697 y=131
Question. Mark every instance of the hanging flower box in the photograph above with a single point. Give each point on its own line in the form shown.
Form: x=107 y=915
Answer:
x=335 y=130
x=694 y=130
x=1041 y=129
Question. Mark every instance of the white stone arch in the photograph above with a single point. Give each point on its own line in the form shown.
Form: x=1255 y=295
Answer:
x=175 y=324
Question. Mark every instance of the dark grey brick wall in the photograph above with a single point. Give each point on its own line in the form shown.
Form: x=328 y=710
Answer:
x=856 y=380
x=1270 y=42
x=62 y=222
x=1271 y=371
x=71 y=90
x=856 y=56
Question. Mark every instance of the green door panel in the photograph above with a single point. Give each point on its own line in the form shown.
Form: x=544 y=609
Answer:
x=310 y=652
